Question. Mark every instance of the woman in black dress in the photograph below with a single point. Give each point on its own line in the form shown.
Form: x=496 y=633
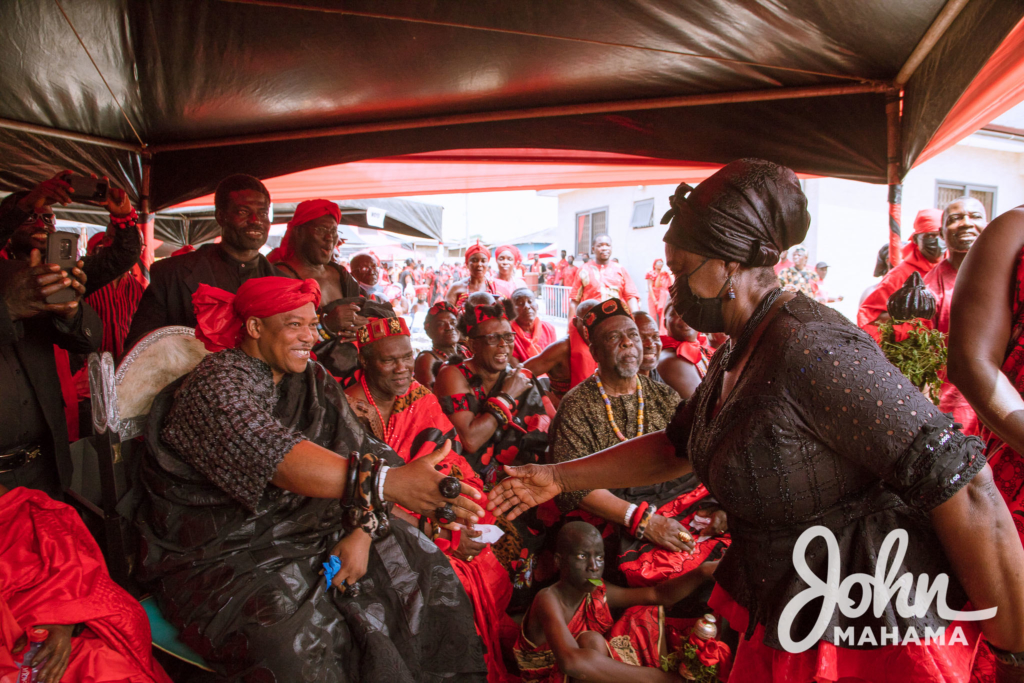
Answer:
x=819 y=450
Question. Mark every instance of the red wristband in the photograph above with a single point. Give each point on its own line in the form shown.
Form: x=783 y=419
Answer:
x=638 y=514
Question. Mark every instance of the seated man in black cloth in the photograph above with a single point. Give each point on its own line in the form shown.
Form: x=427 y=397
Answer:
x=245 y=469
x=34 y=449
x=243 y=213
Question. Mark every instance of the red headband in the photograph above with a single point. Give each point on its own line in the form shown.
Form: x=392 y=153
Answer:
x=927 y=220
x=381 y=328
x=481 y=314
x=510 y=249
x=221 y=315
x=477 y=249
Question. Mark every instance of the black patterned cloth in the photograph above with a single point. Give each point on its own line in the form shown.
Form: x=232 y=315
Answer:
x=234 y=561
x=822 y=430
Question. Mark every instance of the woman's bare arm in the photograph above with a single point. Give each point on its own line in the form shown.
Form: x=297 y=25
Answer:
x=678 y=373
x=649 y=459
x=982 y=544
x=979 y=327
x=473 y=429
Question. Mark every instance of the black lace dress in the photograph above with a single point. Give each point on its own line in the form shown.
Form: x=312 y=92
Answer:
x=822 y=430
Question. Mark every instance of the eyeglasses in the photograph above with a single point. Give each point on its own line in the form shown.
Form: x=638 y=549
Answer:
x=47 y=218
x=508 y=339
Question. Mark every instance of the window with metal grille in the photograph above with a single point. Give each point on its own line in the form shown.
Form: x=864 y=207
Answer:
x=946 y=191
x=643 y=214
x=590 y=224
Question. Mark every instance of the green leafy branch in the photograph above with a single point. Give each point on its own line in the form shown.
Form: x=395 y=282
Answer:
x=919 y=357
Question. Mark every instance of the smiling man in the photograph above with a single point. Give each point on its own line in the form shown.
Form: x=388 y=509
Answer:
x=408 y=418
x=243 y=213
x=962 y=222
x=616 y=404
x=248 y=458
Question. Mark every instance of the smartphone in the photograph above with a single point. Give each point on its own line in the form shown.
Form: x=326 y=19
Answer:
x=62 y=249
x=86 y=189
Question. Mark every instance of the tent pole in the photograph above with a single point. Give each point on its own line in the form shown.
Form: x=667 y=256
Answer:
x=535 y=113
x=893 y=103
x=928 y=40
x=147 y=218
x=23 y=127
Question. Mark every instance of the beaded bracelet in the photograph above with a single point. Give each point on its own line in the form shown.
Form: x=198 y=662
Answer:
x=322 y=330
x=497 y=408
x=130 y=219
x=645 y=519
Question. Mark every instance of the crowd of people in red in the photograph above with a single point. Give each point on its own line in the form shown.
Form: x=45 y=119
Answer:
x=318 y=498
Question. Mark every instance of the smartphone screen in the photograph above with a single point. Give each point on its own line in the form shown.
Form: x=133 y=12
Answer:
x=86 y=189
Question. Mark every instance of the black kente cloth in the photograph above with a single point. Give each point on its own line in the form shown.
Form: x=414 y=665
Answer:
x=245 y=588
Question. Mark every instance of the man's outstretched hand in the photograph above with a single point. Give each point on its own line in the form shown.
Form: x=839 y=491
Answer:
x=525 y=487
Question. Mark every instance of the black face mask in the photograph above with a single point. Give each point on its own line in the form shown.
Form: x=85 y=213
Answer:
x=702 y=314
x=932 y=246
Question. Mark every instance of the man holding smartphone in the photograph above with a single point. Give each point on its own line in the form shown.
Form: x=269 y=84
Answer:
x=34 y=438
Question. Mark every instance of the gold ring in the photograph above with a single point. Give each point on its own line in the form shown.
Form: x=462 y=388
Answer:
x=470 y=558
x=685 y=536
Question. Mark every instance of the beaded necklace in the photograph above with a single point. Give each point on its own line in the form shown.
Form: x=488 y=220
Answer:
x=608 y=407
x=369 y=397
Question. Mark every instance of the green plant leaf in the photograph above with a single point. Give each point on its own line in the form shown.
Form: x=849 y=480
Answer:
x=596 y=582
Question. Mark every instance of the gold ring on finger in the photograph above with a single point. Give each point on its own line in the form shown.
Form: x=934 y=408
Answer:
x=685 y=536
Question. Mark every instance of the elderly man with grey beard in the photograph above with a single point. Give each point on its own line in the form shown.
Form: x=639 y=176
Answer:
x=649 y=528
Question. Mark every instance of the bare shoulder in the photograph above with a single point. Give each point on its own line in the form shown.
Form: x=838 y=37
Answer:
x=450 y=381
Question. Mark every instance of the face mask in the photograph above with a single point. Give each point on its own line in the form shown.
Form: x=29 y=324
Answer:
x=933 y=246
x=702 y=314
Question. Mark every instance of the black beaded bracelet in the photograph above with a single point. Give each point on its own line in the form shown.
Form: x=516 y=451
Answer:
x=322 y=330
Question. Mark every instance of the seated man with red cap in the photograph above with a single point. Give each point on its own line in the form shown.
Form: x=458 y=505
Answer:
x=926 y=248
x=258 y=473
x=477 y=258
x=306 y=251
x=407 y=416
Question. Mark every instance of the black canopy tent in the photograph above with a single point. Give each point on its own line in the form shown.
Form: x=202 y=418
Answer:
x=194 y=226
x=185 y=92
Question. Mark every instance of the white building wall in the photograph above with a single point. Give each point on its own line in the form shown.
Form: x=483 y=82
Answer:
x=849 y=220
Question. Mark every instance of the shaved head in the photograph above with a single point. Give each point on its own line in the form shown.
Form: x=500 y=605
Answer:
x=573 y=534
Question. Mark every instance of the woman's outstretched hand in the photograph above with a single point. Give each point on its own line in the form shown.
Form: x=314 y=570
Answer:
x=525 y=487
x=415 y=487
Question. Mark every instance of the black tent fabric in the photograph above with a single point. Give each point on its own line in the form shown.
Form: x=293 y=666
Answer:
x=177 y=228
x=198 y=89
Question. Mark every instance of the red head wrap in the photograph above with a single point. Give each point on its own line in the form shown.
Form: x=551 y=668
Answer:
x=381 y=328
x=927 y=220
x=221 y=315
x=475 y=315
x=498 y=251
x=477 y=249
x=97 y=241
x=440 y=307
x=306 y=211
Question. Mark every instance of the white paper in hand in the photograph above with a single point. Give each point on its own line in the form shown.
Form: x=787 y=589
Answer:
x=490 y=534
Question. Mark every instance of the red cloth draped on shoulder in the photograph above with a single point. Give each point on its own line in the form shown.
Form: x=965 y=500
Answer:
x=52 y=572
x=1007 y=464
x=581 y=363
x=537 y=663
x=418 y=427
x=529 y=343
x=755 y=662
x=940 y=281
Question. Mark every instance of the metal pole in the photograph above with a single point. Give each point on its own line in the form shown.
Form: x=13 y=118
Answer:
x=928 y=40
x=769 y=95
x=148 y=220
x=893 y=101
x=68 y=135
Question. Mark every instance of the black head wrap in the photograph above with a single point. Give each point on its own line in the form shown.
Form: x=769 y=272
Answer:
x=748 y=212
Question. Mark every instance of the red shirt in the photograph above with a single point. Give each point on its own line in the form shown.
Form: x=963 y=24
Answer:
x=600 y=282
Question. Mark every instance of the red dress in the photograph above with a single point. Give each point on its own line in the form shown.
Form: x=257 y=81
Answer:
x=530 y=343
x=658 y=282
x=941 y=280
x=52 y=572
